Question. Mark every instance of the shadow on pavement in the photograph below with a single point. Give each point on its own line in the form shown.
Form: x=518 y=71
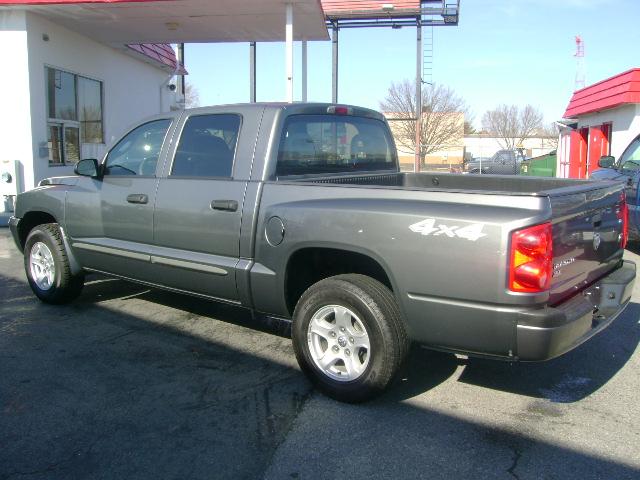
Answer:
x=570 y=377
x=92 y=390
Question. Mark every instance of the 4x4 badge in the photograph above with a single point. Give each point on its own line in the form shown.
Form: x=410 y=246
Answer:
x=596 y=241
x=428 y=226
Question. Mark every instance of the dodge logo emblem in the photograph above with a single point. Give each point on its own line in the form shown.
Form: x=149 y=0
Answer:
x=596 y=241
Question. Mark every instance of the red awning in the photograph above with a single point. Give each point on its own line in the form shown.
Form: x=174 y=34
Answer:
x=618 y=90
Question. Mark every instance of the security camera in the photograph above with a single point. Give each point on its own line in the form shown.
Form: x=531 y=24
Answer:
x=171 y=87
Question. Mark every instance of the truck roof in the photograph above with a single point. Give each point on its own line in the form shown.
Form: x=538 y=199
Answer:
x=295 y=107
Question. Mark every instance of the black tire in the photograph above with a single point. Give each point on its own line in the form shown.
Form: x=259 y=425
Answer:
x=65 y=286
x=377 y=310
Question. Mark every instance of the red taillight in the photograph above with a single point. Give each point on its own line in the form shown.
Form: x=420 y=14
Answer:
x=623 y=218
x=531 y=259
x=339 y=110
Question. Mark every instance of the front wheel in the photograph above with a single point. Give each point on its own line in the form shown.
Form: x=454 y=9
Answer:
x=47 y=266
x=348 y=336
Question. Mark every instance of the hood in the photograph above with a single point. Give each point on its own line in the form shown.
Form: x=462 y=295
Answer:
x=70 y=180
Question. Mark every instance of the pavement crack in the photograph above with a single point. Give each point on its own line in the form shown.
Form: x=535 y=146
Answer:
x=299 y=402
x=517 y=454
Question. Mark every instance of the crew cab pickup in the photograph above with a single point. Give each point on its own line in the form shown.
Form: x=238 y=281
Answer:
x=299 y=211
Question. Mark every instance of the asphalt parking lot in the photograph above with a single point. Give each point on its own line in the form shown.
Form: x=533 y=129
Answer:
x=128 y=382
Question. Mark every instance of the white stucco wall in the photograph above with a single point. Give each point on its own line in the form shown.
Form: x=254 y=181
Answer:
x=15 y=114
x=625 y=125
x=484 y=146
x=132 y=89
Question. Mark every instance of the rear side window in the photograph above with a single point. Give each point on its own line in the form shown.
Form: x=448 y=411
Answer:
x=207 y=146
x=332 y=144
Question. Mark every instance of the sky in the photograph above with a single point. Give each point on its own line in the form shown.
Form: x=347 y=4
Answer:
x=503 y=51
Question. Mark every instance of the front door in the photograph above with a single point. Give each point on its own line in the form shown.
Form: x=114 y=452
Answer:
x=630 y=166
x=110 y=220
x=198 y=209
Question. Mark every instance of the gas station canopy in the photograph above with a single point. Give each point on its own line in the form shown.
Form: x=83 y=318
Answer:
x=120 y=22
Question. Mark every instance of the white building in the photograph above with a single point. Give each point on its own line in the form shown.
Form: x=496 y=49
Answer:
x=602 y=119
x=484 y=145
x=66 y=96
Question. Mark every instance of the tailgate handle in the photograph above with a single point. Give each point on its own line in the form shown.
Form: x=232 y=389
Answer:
x=138 y=198
x=224 y=205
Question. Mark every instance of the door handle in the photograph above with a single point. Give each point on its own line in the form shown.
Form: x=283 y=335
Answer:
x=138 y=198
x=224 y=205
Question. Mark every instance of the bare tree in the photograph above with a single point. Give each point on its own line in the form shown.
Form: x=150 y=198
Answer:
x=469 y=129
x=191 y=95
x=512 y=124
x=550 y=133
x=442 y=119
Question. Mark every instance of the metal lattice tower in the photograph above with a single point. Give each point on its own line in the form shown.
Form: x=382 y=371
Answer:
x=580 y=72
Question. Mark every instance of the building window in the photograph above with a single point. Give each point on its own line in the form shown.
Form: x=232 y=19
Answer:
x=74 y=108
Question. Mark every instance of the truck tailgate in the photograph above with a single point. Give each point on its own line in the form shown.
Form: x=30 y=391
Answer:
x=587 y=238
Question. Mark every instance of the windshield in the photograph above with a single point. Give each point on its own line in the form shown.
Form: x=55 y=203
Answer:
x=334 y=143
x=630 y=159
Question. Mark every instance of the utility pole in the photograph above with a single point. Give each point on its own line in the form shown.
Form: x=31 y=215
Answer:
x=418 y=157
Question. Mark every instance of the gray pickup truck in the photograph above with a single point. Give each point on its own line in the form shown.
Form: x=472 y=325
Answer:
x=299 y=211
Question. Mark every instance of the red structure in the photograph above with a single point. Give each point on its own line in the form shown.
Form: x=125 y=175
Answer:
x=603 y=115
x=612 y=92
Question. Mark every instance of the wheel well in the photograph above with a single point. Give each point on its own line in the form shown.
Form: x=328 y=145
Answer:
x=310 y=265
x=31 y=220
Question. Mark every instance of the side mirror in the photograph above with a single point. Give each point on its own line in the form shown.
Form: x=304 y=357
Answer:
x=607 y=161
x=87 y=167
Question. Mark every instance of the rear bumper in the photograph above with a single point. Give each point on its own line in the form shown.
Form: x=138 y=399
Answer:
x=13 y=226
x=516 y=332
x=547 y=333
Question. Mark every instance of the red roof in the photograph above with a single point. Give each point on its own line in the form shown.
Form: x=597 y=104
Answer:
x=162 y=53
x=615 y=91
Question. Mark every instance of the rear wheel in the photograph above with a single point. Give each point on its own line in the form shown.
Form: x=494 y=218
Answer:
x=47 y=266
x=348 y=336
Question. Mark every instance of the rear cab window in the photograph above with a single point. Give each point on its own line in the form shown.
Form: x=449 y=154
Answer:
x=316 y=144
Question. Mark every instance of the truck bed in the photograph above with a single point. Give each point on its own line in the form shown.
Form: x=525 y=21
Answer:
x=487 y=184
x=581 y=212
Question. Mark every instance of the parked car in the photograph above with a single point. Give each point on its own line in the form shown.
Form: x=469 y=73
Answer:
x=626 y=170
x=300 y=212
x=503 y=162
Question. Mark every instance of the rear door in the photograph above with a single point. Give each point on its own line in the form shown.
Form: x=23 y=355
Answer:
x=198 y=207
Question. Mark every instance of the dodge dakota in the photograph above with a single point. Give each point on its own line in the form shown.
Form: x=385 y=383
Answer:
x=300 y=212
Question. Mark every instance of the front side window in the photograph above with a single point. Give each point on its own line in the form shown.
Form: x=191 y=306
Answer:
x=74 y=109
x=207 y=146
x=138 y=151
x=630 y=159
x=332 y=144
